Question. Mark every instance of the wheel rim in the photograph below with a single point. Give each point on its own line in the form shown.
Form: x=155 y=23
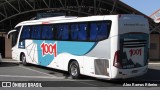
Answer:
x=74 y=70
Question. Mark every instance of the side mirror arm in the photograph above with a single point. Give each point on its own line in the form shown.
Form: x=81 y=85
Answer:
x=8 y=35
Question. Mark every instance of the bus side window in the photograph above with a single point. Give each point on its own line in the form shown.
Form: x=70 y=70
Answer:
x=102 y=33
x=25 y=33
x=65 y=32
x=59 y=32
x=74 y=31
x=93 y=31
x=82 y=33
x=36 y=32
x=62 y=32
x=47 y=32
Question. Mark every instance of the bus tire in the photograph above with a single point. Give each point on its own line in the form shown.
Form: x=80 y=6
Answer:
x=74 y=70
x=23 y=59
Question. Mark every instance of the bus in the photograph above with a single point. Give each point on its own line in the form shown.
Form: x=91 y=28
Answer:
x=102 y=46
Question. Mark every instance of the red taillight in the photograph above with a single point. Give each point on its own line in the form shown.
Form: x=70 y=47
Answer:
x=116 y=61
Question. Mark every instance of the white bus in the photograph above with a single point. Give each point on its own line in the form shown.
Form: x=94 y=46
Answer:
x=106 y=46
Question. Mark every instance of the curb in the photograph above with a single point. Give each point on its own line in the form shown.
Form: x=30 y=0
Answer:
x=9 y=61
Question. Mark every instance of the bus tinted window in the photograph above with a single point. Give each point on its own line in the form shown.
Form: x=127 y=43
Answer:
x=102 y=31
x=78 y=32
x=62 y=32
x=82 y=33
x=36 y=32
x=93 y=31
x=99 y=30
x=25 y=33
x=47 y=32
x=74 y=31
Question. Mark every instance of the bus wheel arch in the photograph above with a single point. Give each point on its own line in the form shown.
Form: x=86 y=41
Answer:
x=23 y=58
x=74 y=69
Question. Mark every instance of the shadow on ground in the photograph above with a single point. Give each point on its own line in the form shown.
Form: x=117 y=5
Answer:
x=153 y=76
x=8 y=64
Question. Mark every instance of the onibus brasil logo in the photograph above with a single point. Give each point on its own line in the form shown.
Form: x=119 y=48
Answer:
x=49 y=49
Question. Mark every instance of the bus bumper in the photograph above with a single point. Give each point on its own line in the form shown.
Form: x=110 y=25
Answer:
x=129 y=73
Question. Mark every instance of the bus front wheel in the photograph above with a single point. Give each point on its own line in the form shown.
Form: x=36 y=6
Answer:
x=23 y=59
x=74 y=70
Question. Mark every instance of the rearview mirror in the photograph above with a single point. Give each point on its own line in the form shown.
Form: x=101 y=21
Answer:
x=8 y=35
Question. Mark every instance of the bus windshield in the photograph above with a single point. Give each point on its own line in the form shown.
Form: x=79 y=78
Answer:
x=15 y=36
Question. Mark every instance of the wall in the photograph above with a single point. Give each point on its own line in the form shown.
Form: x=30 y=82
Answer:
x=154 y=53
x=7 y=45
x=8 y=48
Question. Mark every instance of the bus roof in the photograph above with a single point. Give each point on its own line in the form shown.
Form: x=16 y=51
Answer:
x=61 y=19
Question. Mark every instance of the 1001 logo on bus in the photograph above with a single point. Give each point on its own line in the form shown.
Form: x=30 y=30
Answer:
x=135 y=52
x=49 y=49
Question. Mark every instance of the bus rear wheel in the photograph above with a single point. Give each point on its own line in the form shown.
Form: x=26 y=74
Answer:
x=74 y=70
x=23 y=59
